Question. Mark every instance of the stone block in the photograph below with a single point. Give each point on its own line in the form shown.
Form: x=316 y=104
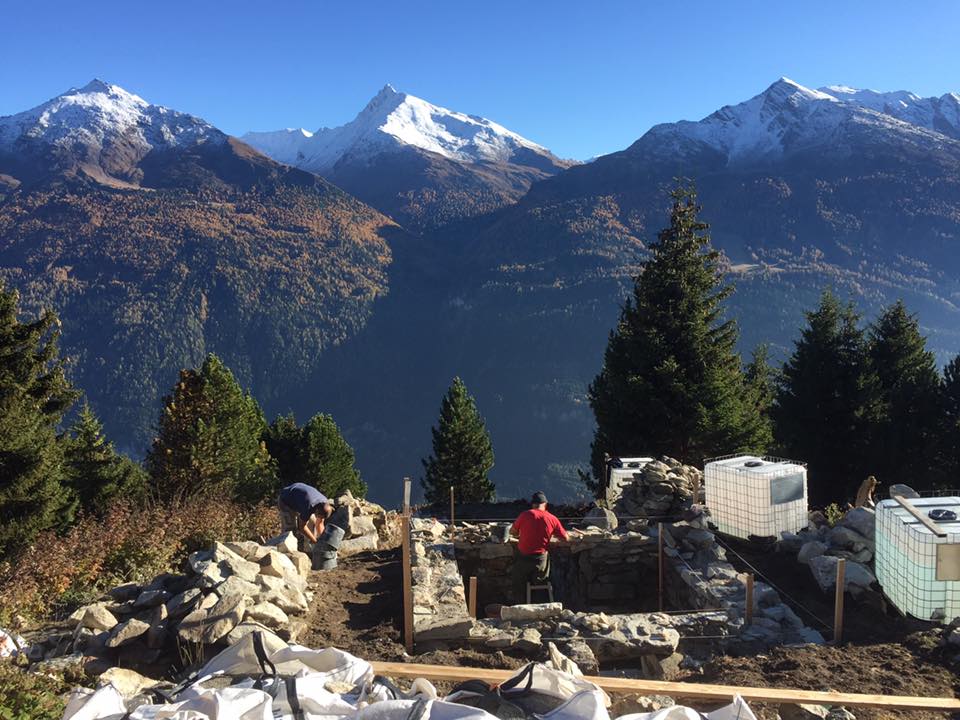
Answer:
x=450 y=628
x=526 y=613
x=277 y=564
x=810 y=550
x=97 y=617
x=268 y=614
x=285 y=542
x=364 y=543
x=127 y=632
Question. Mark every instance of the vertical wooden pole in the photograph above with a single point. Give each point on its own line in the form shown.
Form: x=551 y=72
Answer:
x=473 y=596
x=838 y=602
x=660 y=564
x=451 y=514
x=749 y=599
x=407 y=570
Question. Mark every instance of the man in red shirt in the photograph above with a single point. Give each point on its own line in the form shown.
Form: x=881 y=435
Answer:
x=531 y=561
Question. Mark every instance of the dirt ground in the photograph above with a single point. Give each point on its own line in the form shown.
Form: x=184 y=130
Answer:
x=357 y=608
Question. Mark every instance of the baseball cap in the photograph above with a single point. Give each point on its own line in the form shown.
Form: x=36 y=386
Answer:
x=538 y=498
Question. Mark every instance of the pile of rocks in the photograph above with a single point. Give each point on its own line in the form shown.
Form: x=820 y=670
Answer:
x=367 y=526
x=228 y=591
x=660 y=488
x=820 y=546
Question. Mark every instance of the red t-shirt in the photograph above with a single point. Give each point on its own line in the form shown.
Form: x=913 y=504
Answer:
x=535 y=528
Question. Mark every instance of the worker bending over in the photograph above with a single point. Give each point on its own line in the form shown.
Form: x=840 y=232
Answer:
x=303 y=511
x=531 y=561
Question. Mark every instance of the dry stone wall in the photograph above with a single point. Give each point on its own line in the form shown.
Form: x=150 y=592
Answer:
x=227 y=591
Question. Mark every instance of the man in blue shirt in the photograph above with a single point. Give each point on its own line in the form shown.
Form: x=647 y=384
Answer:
x=302 y=506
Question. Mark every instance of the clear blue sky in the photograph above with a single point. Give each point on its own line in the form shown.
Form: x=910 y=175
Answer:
x=582 y=77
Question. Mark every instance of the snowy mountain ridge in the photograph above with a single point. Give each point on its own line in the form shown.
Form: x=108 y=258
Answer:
x=788 y=116
x=393 y=120
x=100 y=113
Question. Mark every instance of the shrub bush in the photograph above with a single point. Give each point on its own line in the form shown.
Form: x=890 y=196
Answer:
x=129 y=542
x=28 y=696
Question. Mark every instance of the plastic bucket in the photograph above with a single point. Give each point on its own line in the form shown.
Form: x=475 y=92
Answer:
x=332 y=536
x=326 y=565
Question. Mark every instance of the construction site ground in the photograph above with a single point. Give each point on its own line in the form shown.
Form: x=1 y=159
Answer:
x=358 y=608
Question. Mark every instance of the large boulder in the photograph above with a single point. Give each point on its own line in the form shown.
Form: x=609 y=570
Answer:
x=127 y=632
x=856 y=579
x=356 y=545
x=223 y=617
x=98 y=617
x=862 y=520
x=810 y=550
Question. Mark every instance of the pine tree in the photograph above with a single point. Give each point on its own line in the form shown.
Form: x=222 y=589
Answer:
x=34 y=395
x=904 y=438
x=827 y=402
x=462 y=453
x=316 y=454
x=671 y=382
x=209 y=439
x=95 y=471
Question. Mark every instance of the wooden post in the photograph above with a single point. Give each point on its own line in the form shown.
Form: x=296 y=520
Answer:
x=407 y=570
x=838 y=602
x=660 y=564
x=749 y=599
x=473 y=596
x=451 y=514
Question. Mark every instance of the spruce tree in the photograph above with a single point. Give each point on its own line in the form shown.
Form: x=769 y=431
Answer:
x=316 y=454
x=34 y=395
x=209 y=439
x=827 y=402
x=948 y=452
x=910 y=412
x=462 y=453
x=760 y=380
x=95 y=471
x=671 y=382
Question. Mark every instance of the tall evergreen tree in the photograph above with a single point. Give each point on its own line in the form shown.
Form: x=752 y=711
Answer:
x=948 y=444
x=827 y=402
x=462 y=453
x=209 y=439
x=671 y=382
x=760 y=380
x=34 y=395
x=316 y=454
x=95 y=471
x=910 y=413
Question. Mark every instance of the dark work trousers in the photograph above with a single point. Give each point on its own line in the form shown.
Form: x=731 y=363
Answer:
x=534 y=569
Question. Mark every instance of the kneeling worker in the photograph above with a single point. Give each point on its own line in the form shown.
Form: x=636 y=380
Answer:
x=302 y=506
x=531 y=561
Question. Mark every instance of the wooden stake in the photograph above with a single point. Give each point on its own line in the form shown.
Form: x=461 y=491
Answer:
x=451 y=514
x=473 y=596
x=749 y=603
x=838 y=602
x=688 y=690
x=660 y=564
x=407 y=570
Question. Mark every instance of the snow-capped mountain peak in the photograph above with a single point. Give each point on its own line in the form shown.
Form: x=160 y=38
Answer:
x=788 y=116
x=99 y=113
x=391 y=121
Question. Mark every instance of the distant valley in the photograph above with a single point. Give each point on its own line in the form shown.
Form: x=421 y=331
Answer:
x=356 y=270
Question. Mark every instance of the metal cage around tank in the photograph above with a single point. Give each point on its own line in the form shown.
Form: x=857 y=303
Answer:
x=750 y=496
x=919 y=569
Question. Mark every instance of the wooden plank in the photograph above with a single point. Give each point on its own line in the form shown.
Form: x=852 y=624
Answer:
x=695 y=691
x=451 y=514
x=407 y=585
x=406 y=495
x=749 y=600
x=473 y=596
x=838 y=601
x=924 y=520
x=660 y=564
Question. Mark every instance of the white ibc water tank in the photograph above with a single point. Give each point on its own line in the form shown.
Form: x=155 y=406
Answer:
x=750 y=496
x=620 y=473
x=919 y=571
